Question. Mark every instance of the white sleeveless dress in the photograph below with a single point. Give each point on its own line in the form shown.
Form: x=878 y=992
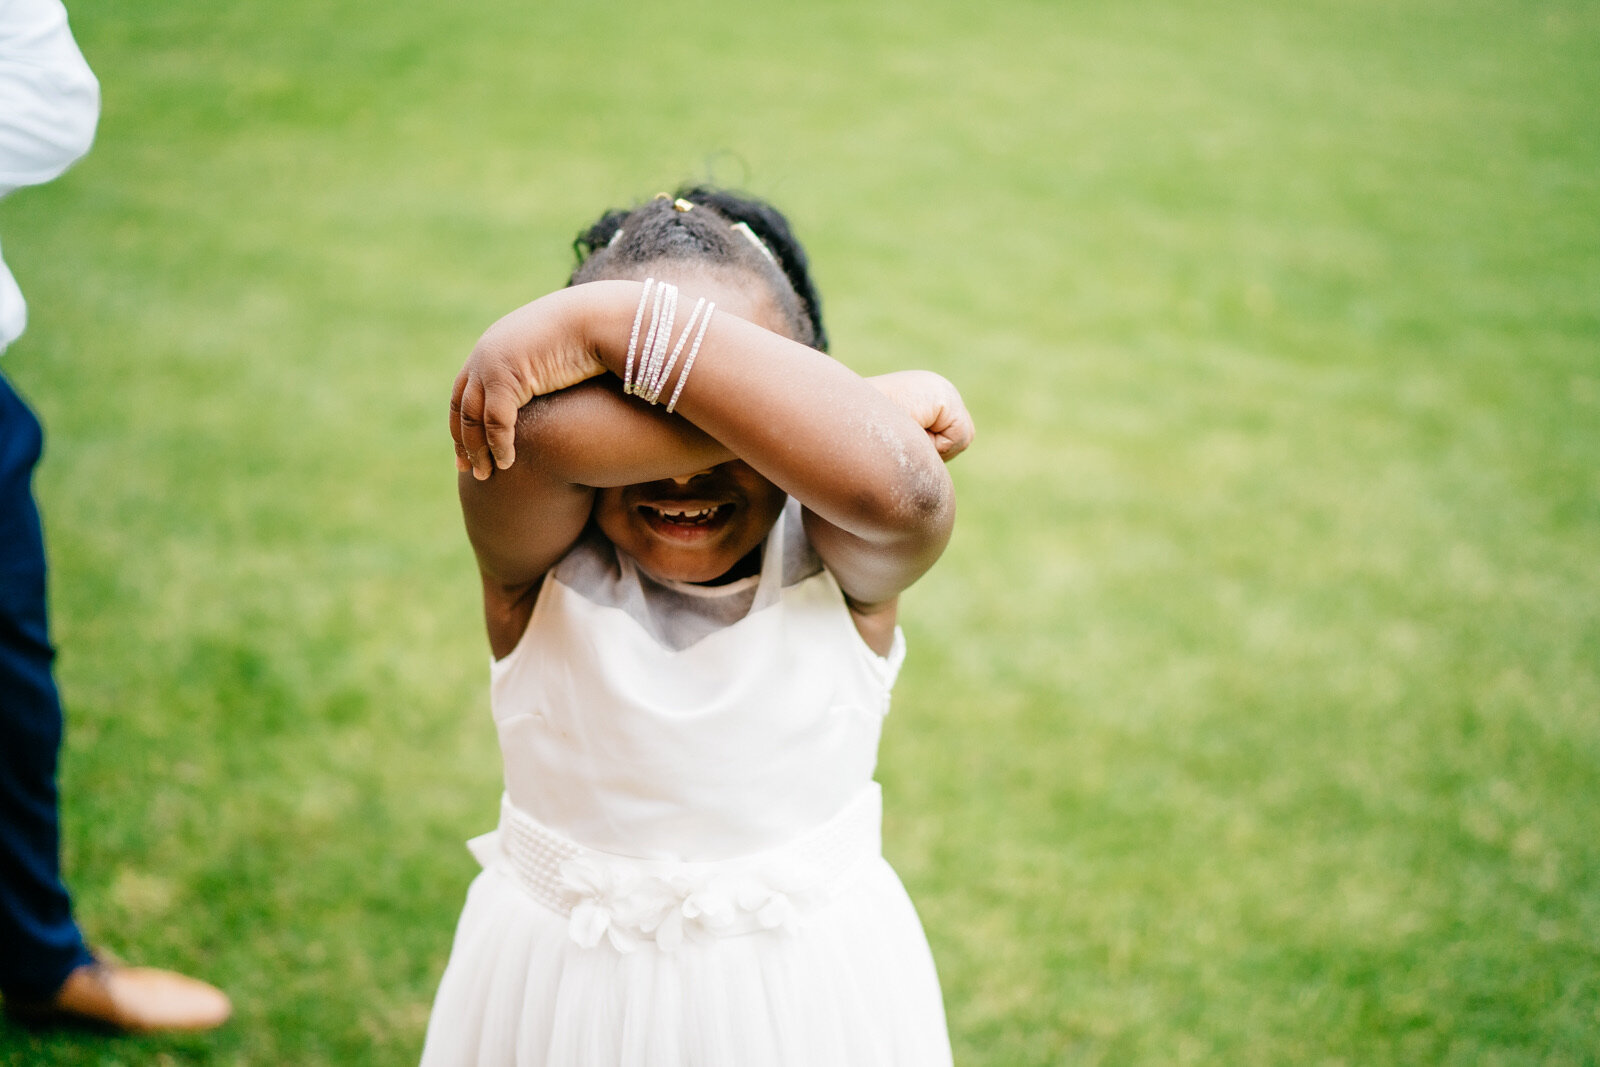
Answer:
x=688 y=870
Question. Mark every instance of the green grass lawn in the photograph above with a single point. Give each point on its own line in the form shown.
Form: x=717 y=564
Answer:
x=1253 y=716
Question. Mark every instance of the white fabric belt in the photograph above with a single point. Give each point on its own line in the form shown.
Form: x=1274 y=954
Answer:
x=628 y=901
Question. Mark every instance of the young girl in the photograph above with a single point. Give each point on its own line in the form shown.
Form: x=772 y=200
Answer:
x=692 y=528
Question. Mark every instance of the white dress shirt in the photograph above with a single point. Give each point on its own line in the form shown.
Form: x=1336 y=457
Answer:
x=49 y=105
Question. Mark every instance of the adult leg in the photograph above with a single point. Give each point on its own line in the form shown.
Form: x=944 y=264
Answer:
x=46 y=973
x=39 y=942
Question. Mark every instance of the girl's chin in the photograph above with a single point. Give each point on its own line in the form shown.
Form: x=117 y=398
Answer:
x=692 y=571
x=672 y=559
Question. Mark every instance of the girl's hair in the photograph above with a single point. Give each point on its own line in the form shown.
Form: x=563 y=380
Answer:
x=717 y=229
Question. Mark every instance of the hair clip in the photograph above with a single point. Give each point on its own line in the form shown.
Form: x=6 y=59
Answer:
x=755 y=239
x=615 y=237
x=682 y=205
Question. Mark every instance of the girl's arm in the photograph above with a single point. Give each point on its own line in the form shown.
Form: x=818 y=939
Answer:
x=881 y=504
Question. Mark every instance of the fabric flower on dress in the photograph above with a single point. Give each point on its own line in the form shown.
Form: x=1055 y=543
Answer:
x=606 y=902
x=623 y=903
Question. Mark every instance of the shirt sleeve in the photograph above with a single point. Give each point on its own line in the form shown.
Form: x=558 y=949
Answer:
x=49 y=98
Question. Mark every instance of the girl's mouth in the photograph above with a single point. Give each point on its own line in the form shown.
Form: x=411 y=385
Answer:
x=684 y=517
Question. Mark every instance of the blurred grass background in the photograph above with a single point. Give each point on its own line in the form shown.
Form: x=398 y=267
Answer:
x=1253 y=716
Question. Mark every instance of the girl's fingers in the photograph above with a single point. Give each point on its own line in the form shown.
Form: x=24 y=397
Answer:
x=472 y=442
x=500 y=423
x=483 y=418
x=462 y=463
x=953 y=434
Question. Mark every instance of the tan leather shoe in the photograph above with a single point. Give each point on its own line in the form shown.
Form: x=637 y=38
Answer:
x=133 y=999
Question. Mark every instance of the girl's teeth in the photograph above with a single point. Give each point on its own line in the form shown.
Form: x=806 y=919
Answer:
x=686 y=515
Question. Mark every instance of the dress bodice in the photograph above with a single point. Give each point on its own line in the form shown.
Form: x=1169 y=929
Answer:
x=670 y=721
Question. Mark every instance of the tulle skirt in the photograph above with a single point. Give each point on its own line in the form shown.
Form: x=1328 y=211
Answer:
x=850 y=985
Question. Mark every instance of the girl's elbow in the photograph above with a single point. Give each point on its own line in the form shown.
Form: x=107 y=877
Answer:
x=930 y=499
x=919 y=508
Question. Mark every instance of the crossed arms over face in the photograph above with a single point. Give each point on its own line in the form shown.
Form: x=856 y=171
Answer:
x=540 y=423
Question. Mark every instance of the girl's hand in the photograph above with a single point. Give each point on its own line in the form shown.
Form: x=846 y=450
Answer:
x=528 y=353
x=936 y=406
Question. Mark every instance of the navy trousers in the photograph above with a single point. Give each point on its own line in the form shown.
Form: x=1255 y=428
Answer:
x=39 y=942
